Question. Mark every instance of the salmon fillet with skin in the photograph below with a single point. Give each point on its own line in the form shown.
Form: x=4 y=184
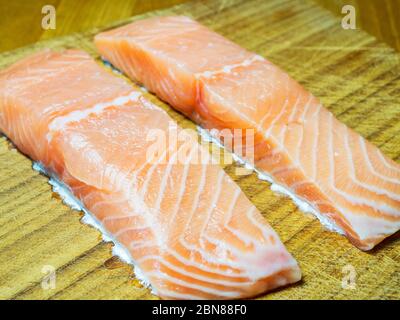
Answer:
x=186 y=224
x=298 y=143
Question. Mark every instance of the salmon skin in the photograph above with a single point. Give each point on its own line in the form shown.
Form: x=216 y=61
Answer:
x=347 y=181
x=187 y=225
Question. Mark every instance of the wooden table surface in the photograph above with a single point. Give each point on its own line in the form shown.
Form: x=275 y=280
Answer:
x=354 y=75
x=20 y=20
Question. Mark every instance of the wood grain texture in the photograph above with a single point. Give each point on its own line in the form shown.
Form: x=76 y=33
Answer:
x=21 y=20
x=354 y=75
x=380 y=18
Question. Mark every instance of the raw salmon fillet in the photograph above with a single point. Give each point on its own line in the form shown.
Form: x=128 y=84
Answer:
x=350 y=184
x=186 y=224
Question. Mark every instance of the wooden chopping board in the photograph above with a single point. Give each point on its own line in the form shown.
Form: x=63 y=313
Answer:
x=355 y=76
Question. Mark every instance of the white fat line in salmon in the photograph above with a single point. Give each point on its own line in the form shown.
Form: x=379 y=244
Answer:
x=122 y=252
x=77 y=115
x=229 y=68
x=118 y=249
x=70 y=200
x=302 y=204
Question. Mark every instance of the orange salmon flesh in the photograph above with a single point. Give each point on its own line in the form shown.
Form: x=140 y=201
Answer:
x=187 y=226
x=298 y=142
